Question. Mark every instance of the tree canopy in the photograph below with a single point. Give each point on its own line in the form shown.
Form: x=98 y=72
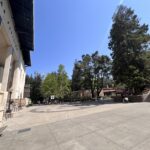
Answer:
x=56 y=83
x=129 y=40
x=91 y=73
x=35 y=87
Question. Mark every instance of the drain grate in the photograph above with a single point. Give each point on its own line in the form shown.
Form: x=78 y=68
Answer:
x=24 y=130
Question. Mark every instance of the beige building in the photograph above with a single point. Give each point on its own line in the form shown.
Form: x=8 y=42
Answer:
x=16 y=41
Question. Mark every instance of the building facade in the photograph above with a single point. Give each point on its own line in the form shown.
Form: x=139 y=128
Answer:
x=16 y=41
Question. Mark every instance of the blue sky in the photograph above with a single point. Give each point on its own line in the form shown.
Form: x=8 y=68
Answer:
x=66 y=29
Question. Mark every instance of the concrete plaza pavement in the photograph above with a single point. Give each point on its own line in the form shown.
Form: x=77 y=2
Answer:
x=70 y=127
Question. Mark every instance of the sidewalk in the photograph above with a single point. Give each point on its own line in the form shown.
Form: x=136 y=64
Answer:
x=104 y=127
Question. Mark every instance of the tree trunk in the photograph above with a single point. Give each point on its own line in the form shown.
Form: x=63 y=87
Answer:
x=98 y=92
x=92 y=92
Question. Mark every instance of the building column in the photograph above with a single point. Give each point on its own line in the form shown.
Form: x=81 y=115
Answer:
x=7 y=68
x=1 y=75
x=16 y=81
x=5 y=78
x=23 y=84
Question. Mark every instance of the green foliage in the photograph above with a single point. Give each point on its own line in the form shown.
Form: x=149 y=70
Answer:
x=76 y=83
x=56 y=83
x=91 y=72
x=63 y=82
x=101 y=71
x=129 y=40
x=49 y=85
x=35 y=87
x=146 y=58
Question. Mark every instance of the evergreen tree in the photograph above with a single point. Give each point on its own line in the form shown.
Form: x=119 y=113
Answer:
x=76 y=83
x=35 y=87
x=63 y=82
x=128 y=41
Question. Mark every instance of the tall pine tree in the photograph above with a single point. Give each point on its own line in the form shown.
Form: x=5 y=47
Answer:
x=128 y=41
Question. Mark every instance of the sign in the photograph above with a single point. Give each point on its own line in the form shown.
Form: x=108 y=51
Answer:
x=52 y=97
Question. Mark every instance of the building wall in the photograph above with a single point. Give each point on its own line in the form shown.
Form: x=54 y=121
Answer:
x=12 y=67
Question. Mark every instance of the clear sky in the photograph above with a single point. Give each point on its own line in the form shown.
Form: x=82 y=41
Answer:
x=67 y=29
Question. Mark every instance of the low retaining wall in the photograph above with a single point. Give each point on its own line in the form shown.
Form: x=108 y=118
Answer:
x=136 y=98
x=133 y=98
x=22 y=102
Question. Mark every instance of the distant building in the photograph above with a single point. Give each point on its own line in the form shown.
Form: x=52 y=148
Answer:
x=104 y=92
x=16 y=41
x=107 y=91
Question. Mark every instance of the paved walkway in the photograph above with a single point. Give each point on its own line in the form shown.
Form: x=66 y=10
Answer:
x=69 y=127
